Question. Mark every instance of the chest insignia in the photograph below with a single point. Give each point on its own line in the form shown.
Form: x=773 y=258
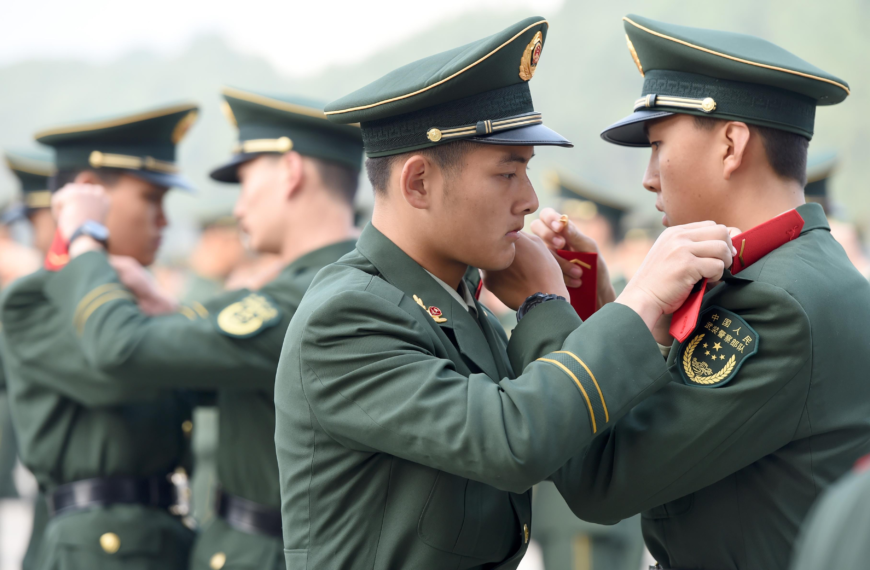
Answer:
x=433 y=311
x=248 y=316
x=714 y=352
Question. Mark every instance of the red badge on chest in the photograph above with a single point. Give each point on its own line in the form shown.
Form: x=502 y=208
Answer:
x=58 y=254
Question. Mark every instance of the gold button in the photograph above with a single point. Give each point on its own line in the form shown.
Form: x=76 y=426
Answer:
x=187 y=427
x=526 y=532
x=218 y=560
x=708 y=105
x=110 y=542
x=434 y=135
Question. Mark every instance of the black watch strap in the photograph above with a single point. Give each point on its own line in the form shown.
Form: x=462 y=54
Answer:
x=533 y=301
x=93 y=230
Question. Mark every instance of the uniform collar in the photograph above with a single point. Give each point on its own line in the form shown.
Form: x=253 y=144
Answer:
x=398 y=269
x=320 y=257
x=814 y=217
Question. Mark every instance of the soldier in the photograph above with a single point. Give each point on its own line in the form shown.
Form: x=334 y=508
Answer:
x=409 y=431
x=834 y=534
x=33 y=171
x=299 y=174
x=100 y=450
x=767 y=403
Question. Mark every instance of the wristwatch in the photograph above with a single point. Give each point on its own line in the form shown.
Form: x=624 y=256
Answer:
x=533 y=301
x=94 y=230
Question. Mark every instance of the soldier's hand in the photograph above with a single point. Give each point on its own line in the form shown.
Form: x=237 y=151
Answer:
x=681 y=256
x=534 y=270
x=565 y=235
x=152 y=301
x=75 y=204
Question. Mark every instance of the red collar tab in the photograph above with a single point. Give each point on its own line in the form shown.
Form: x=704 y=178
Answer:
x=58 y=254
x=754 y=244
x=751 y=246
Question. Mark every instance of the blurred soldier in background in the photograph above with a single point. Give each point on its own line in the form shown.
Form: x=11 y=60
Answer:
x=299 y=175
x=820 y=169
x=835 y=532
x=102 y=449
x=33 y=171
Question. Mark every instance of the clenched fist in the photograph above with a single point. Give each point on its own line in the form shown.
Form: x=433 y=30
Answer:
x=75 y=204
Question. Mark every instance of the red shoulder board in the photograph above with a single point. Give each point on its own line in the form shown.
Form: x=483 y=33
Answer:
x=585 y=297
x=751 y=246
x=58 y=254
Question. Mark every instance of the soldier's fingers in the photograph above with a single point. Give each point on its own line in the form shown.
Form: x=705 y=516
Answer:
x=551 y=238
x=711 y=268
x=712 y=249
x=571 y=270
x=709 y=233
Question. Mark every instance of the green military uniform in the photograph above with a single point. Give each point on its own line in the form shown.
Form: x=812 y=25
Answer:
x=100 y=448
x=767 y=405
x=835 y=532
x=33 y=170
x=409 y=430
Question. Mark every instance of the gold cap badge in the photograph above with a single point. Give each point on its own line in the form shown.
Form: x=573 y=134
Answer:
x=531 y=56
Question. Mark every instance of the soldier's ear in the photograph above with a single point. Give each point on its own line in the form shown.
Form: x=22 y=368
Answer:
x=292 y=173
x=416 y=180
x=735 y=138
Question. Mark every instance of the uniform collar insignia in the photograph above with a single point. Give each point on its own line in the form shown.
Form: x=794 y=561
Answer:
x=432 y=311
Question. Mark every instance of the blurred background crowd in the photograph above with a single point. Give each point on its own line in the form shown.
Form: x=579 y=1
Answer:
x=61 y=62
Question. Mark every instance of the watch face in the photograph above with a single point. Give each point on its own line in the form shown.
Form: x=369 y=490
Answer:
x=97 y=231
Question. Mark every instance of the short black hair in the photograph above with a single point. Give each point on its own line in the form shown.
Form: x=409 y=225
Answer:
x=449 y=157
x=339 y=179
x=108 y=176
x=786 y=152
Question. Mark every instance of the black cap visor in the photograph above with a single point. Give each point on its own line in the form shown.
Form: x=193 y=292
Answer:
x=165 y=179
x=533 y=135
x=629 y=131
x=229 y=171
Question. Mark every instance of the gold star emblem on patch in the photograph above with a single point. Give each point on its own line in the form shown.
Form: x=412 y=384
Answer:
x=718 y=365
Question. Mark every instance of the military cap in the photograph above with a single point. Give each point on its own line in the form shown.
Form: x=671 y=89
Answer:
x=269 y=124
x=33 y=170
x=722 y=75
x=580 y=202
x=142 y=145
x=479 y=92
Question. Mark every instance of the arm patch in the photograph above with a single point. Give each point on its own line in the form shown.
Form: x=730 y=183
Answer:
x=713 y=353
x=248 y=316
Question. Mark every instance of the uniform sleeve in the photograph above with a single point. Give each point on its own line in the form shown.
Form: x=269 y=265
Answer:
x=183 y=350
x=371 y=374
x=686 y=437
